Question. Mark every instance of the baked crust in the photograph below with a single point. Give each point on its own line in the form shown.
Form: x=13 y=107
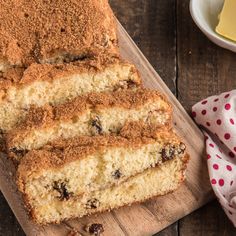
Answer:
x=48 y=31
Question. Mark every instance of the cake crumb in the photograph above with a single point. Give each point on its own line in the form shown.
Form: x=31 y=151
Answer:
x=94 y=229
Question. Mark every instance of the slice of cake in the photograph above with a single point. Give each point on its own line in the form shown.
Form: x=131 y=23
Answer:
x=97 y=113
x=55 y=31
x=69 y=171
x=54 y=202
x=91 y=163
x=54 y=84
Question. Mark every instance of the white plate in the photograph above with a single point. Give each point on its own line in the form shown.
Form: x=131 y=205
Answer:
x=205 y=15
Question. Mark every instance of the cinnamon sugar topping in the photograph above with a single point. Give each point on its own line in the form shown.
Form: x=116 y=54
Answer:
x=55 y=31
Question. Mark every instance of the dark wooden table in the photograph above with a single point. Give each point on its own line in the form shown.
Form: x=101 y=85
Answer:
x=191 y=66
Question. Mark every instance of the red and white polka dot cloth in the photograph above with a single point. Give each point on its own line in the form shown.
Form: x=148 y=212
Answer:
x=217 y=116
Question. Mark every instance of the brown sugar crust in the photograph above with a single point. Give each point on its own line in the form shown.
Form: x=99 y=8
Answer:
x=46 y=116
x=37 y=30
x=47 y=72
x=9 y=77
x=137 y=129
x=64 y=151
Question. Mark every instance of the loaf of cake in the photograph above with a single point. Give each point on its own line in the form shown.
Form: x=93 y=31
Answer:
x=96 y=113
x=51 y=199
x=55 y=84
x=40 y=31
x=85 y=135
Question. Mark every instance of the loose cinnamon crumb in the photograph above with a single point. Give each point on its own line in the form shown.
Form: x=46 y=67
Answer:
x=94 y=229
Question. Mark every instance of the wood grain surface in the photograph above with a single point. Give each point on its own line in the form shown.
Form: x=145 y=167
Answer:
x=191 y=66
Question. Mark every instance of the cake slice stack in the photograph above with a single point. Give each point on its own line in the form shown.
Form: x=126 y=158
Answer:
x=79 y=174
x=85 y=135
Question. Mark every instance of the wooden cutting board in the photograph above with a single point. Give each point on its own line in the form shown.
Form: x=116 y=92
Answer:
x=140 y=219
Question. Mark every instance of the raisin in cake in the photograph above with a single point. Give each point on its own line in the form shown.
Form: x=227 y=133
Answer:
x=54 y=84
x=96 y=113
x=55 y=31
x=56 y=200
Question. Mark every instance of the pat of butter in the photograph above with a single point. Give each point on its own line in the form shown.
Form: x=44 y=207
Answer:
x=227 y=23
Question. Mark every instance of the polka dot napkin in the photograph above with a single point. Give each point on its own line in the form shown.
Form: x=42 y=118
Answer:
x=216 y=115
